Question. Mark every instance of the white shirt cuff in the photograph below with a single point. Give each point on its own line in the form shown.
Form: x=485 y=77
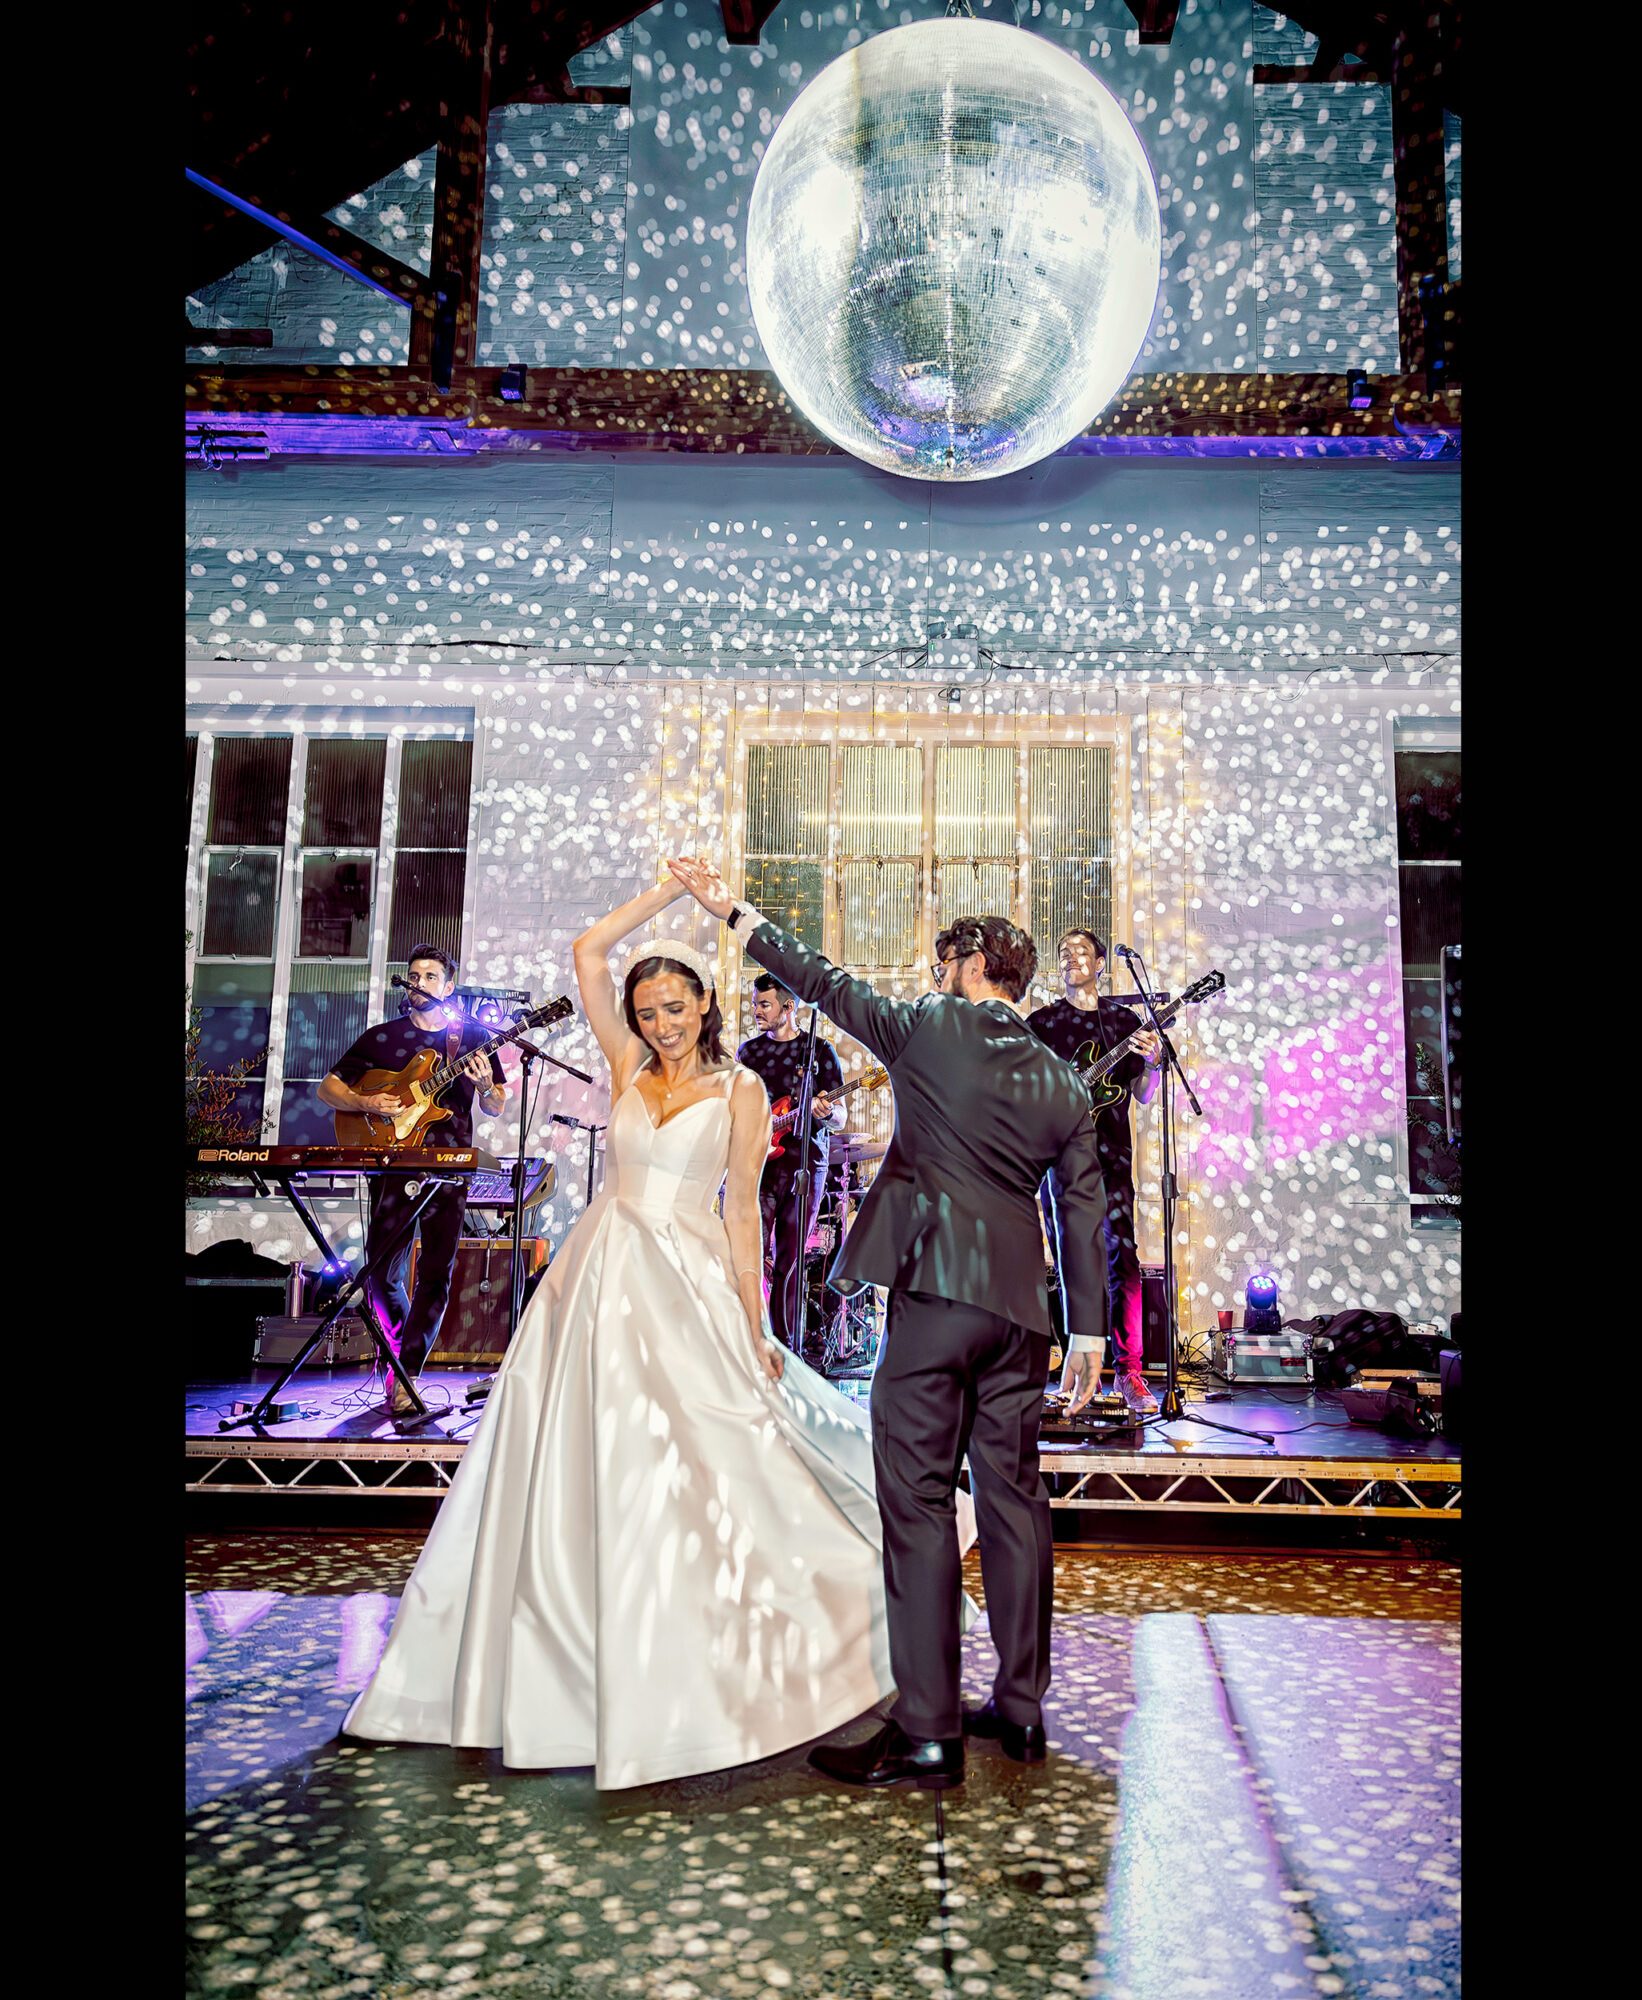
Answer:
x=744 y=919
x=1081 y=1343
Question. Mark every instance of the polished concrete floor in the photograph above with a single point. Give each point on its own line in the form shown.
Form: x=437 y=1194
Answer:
x=1252 y=1791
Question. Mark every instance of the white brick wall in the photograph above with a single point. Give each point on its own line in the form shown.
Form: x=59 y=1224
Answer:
x=397 y=567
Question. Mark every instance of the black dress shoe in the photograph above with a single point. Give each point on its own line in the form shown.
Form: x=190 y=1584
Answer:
x=1024 y=1741
x=891 y=1757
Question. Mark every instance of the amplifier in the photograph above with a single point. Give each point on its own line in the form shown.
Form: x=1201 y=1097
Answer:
x=1453 y=1399
x=473 y=1332
x=279 y=1338
x=1261 y=1357
x=1154 y=1317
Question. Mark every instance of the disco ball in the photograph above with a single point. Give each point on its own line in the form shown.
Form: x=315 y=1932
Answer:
x=953 y=249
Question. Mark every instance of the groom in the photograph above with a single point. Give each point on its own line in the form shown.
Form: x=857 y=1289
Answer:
x=950 y=1225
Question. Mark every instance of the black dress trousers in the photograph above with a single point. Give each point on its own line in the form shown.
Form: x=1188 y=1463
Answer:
x=414 y=1322
x=955 y=1378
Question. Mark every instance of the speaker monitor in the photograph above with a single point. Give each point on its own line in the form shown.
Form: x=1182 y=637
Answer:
x=1154 y=1317
x=1453 y=1399
x=473 y=1332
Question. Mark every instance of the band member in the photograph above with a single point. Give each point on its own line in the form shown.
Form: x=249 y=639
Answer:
x=1066 y=1024
x=424 y=1024
x=776 y=1053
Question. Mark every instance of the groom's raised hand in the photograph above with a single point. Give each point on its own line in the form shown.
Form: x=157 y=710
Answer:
x=704 y=882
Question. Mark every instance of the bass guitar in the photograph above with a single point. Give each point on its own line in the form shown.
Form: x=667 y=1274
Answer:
x=784 y=1113
x=1094 y=1064
x=422 y=1082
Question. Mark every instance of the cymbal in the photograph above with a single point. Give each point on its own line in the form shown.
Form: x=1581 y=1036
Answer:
x=851 y=1146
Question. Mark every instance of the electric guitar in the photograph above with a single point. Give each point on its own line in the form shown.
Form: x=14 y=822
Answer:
x=784 y=1113
x=420 y=1085
x=1093 y=1063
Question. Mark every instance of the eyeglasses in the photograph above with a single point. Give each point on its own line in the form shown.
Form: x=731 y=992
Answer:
x=937 y=970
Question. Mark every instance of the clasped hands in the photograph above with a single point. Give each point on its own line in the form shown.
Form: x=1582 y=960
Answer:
x=704 y=882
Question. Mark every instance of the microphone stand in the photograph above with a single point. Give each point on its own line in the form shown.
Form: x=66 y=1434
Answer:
x=529 y=1054
x=1173 y=1409
x=802 y=1181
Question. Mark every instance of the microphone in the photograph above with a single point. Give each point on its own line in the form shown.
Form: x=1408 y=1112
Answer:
x=559 y=1118
x=421 y=992
x=1123 y=951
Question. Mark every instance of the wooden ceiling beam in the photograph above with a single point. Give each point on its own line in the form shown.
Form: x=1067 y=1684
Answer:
x=1155 y=19
x=326 y=240
x=744 y=20
x=746 y=410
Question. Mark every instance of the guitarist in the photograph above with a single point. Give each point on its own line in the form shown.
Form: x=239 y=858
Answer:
x=423 y=1024
x=777 y=1055
x=1065 y=1025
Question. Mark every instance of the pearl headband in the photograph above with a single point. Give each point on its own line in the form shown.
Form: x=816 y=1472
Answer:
x=683 y=954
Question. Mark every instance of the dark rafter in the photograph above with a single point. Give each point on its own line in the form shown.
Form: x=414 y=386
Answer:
x=744 y=19
x=296 y=105
x=1155 y=18
x=746 y=409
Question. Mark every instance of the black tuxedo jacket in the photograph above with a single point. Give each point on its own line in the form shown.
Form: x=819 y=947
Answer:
x=982 y=1111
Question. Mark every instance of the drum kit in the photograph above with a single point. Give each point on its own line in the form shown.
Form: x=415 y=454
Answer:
x=842 y=1330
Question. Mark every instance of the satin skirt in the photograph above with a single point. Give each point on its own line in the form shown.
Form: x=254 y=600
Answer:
x=652 y=1560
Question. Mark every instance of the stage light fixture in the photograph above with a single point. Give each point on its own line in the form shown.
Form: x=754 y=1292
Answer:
x=1359 y=390
x=490 y=1007
x=514 y=384
x=1260 y=1312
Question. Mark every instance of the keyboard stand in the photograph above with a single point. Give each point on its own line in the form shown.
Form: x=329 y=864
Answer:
x=353 y=1293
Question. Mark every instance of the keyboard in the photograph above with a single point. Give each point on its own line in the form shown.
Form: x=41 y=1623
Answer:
x=284 y=1160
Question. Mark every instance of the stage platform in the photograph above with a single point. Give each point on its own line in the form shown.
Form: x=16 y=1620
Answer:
x=1317 y=1462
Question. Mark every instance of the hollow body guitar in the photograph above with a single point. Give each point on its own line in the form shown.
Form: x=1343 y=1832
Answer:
x=422 y=1082
x=784 y=1113
x=1095 y=1064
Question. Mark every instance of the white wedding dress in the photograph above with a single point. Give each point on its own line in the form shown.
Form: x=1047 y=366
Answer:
x=652 y=1559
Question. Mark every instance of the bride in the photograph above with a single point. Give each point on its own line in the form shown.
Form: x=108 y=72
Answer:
x=660 y=1552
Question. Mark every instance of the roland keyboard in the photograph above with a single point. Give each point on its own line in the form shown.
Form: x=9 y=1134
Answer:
x=490 y=1179
x=284 y=1160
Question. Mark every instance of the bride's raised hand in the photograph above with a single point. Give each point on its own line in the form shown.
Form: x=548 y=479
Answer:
x=704 y=882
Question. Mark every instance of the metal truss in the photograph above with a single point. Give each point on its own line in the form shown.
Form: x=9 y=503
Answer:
x=418 y=1469
x=412 y=1469
x=1364 y=1488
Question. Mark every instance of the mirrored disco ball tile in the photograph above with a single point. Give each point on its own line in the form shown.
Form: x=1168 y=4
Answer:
x=953 y=249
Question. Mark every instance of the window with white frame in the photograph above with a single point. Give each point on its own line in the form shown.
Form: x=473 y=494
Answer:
x=866 y=851
x=317 y=862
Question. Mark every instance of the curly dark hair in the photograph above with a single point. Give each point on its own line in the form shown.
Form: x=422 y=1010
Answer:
x=1011 y=956
x=713 y=1051
x=429 y=951
x=1078 y=930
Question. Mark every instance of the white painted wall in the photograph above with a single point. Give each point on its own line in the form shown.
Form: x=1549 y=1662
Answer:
x=1260 y=839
